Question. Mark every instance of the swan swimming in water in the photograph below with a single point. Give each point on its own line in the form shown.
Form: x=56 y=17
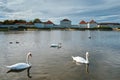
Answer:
x=21 y=66
x=81 y=59
x=56 y=45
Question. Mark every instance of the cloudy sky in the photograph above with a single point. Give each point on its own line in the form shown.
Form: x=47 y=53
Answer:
x=56 y=10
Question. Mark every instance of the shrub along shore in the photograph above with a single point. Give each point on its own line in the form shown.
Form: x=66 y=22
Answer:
x=55 y=28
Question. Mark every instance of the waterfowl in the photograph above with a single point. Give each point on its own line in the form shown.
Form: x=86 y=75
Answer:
x=21 y=66
x=81 y=59
x=56 y=45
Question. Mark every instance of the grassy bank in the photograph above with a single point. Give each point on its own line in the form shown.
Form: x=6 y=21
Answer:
x=55 y=28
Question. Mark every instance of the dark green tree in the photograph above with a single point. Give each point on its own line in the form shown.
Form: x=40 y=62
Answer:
x=36 y=20
x=8 y=22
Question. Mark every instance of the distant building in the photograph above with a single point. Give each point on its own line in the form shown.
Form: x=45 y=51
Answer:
x=92 y=24
x=112 y=25
x=48 y=24
x=16 y=25
x=83 y=24
x=22 y=24
x=29 y=24
x=74 y=26
x=65 y=23
x=39 y=25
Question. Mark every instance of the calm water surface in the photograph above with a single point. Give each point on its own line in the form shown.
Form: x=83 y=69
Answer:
x=57 y=64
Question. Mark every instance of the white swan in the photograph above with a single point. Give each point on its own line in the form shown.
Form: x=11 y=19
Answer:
x=56 y=45
x=21 y=66
x=81 y=60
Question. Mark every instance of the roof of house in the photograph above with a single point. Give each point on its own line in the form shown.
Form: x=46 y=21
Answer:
x=65 y=20
x=83 y=22
x=49 y=22
x=92 y=21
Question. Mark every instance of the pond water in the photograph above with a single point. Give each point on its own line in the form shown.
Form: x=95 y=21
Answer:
x=56 y=64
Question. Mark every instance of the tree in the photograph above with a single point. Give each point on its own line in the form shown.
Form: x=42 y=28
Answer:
x=8 y=22
x=36 y=20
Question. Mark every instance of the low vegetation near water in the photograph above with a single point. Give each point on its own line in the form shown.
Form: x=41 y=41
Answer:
x=55 y=28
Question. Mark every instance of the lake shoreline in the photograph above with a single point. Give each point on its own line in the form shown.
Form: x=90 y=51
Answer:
x=65 y=29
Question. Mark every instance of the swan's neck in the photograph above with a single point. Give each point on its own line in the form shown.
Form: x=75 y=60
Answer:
x=87 y=61
x=27 y=59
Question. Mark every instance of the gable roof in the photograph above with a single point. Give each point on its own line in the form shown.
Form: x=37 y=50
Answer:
x=65 y=20
x=92 y=21
x=49 y=22
x=83 y=22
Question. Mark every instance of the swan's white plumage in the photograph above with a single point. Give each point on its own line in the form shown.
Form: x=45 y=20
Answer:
x=20 y=66
x=81 y=59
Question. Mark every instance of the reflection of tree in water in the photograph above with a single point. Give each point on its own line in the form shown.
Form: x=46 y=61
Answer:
x=28 y=71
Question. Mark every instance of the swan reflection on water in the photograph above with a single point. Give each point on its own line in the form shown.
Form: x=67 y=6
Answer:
x=17 y=71
x=86 y=66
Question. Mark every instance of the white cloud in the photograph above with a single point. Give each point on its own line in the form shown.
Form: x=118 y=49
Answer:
x=55 y=9
x=107 y=17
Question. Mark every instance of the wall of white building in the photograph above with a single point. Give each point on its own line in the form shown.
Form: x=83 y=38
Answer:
x=65 y=24
x=48 y=25
x=83 y=25
x=39 y=25
x=14 y=26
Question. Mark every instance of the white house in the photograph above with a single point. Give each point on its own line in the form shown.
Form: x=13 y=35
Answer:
x=48 y=24
x=83 y=24
x=92 y=24
x=65 y=23
x=39 y=25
